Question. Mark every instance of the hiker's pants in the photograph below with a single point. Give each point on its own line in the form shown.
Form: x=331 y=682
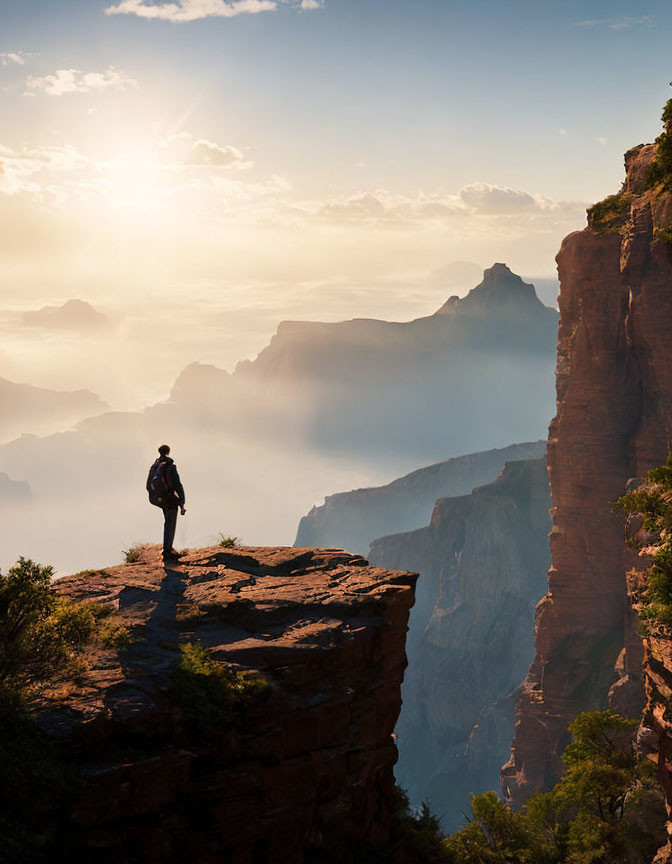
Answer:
x=169 y=525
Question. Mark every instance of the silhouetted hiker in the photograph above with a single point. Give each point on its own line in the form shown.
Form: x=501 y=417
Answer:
x=165 y=491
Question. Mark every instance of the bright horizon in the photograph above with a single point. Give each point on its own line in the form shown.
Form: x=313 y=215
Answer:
x=227 y=165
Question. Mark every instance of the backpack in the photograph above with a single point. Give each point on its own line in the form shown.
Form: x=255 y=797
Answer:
x=160 y=491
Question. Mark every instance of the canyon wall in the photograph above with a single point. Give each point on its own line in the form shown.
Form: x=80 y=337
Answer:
x=352 y=520
x=613 y=422
x=310 y=756
x=483 y=560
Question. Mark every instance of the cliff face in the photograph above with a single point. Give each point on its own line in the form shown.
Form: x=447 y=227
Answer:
x=313 y=754
x=352 y=520
x=654 y=737
x=483 y=562
x=613 y=422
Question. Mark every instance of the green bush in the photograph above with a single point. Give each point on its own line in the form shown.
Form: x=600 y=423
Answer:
x=606 y=809
x=132 y=555
x=227 y=542
x=609 y=216
x=41 y=635
x=40 y=632
x=210 y=693
x=652 y=502
x=661 y=169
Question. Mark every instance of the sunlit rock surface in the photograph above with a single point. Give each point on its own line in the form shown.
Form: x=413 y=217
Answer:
x=614 y=422
x=314 y=755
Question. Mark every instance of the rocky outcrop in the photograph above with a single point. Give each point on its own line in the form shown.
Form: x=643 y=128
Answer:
x=483 y=562
x=352 y=520
x=613 y=422
x=313 y=755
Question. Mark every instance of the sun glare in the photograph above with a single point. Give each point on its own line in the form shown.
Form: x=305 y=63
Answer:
x=133 y=180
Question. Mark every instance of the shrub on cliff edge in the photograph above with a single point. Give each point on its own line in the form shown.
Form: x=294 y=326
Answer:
x=606 y=809
x=41 y=635
x=651 y=502
x=210 y=692
x=661 y=169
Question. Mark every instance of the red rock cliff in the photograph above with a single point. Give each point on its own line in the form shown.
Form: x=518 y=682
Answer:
x=613 y=422
x=314 y=755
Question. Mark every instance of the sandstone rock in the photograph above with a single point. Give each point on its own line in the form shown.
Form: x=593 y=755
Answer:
x=313 y=754
x=613 y=422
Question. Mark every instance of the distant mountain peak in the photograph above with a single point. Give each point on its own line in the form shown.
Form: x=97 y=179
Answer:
x=74 y=314
x=501 y=290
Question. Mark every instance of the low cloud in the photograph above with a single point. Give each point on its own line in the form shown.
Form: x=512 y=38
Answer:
x=476 y=199
x=191 y=10
x=13 y=58
x=622 y=22
x=207 y=153
x=25 y=170
x=484 y=198
x=75 y=81
x=196 y=10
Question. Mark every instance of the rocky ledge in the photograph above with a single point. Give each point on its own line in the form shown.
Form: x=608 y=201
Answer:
x=311 y=757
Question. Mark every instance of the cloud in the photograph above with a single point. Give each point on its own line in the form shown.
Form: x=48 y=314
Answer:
x=20 y=170
x=484 y=198
x=192 y=10
x=603 y=141
x=382 y=207
x=74 y=81
x=206 y=153
x=622 y=22
x=13 y=58
x=310 y=4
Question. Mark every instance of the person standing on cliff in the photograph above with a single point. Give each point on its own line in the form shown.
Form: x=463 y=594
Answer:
x=166 y=491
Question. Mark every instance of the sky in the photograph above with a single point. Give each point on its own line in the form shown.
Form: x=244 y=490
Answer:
x=202 y=169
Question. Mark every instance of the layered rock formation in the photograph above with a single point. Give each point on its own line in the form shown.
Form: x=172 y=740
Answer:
x=483 y=562
x=312 y=755
x=370 y=400
x=388 y=389
x=352 y=520
x=614 y=422
x=38 y=410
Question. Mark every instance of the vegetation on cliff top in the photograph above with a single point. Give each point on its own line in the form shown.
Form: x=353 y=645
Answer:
x=41 y=636
x=609 y=216
x=209 y=692
x=661 y=169
x=606 y=809
x=651 y=504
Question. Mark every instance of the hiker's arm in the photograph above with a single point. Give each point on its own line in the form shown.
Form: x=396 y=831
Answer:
x=177 y=485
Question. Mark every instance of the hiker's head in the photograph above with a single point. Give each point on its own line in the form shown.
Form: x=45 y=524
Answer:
x=164 y=450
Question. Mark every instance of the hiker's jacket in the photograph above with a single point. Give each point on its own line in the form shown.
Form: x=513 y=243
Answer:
x=172 y=478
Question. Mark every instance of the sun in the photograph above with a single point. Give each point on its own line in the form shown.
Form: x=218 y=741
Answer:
x=134 y=180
